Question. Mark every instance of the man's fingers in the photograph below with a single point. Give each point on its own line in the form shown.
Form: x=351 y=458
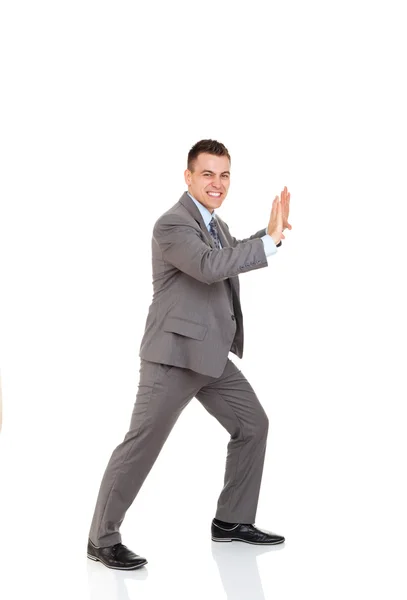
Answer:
x=274 y=206
x=280 y=214
x=288 y=210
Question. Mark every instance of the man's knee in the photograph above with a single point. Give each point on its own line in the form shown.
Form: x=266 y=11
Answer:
x=261 y=426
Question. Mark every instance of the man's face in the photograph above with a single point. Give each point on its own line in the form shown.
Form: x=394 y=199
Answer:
x=209 y=181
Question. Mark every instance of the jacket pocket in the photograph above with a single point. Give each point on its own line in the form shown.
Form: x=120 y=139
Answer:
x=190 y=329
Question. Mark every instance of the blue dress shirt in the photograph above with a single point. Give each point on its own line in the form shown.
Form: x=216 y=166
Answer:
x=269 y=245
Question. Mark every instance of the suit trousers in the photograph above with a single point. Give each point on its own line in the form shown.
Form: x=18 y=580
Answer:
x=163 y=392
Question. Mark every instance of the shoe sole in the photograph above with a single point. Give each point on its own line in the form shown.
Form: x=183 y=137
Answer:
x=117 y=568
x=247 y=542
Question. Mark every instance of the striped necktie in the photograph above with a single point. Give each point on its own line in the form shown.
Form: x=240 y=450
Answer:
x=213 y=230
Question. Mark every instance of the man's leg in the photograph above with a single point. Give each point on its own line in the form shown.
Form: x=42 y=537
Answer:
x=162 y=395
x=233 y=402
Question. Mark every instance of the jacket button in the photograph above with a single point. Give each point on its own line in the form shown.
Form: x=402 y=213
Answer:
x=233 y=317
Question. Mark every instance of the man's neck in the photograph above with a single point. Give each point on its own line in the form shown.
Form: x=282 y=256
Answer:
x=211 y=210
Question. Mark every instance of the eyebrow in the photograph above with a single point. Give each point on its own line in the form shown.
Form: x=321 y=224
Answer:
x=212 y=172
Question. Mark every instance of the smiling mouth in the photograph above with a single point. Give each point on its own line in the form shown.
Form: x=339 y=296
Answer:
x=214 y=194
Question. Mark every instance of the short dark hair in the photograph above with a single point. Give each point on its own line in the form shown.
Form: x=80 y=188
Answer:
x=208 y=146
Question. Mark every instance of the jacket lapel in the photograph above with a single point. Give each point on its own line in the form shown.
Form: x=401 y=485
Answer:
x=191 y=207
x=194 y=212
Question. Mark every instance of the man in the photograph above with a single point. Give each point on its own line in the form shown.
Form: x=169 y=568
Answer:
x=193 y=322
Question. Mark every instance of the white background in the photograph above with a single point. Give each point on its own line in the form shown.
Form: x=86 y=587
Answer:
x=100 y=103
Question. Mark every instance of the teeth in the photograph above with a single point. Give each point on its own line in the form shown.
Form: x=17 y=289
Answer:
x=216 y=194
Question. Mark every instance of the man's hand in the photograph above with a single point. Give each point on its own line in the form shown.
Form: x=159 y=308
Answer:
x=279 y=216
x=275 y=226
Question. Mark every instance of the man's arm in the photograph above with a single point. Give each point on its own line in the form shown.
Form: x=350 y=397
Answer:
x=182 y=246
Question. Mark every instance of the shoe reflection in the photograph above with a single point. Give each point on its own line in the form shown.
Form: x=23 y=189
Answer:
x=238 y=570
x=111 y=584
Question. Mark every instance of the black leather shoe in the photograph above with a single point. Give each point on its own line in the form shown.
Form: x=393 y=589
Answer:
x=244 y=533
x=116 y=557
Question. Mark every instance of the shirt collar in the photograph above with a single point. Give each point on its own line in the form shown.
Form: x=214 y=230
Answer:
x=206 y=215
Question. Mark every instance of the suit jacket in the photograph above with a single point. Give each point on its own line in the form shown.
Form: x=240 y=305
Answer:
x=195 y=317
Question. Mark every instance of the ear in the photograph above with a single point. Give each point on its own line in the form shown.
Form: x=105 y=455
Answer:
x=187 y=176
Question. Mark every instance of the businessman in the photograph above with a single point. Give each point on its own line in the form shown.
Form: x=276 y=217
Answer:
x=194 y=321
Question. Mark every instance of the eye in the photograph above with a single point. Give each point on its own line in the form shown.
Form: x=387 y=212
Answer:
x=225 y=175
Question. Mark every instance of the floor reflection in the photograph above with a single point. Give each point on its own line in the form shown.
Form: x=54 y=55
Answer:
x=111 y=584
x=238 y=570
x=236 y=563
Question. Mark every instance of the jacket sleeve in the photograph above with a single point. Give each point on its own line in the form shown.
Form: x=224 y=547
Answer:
x=182 y=246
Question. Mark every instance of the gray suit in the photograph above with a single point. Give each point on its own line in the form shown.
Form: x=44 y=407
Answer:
x=196 y=291
x=194 y=320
